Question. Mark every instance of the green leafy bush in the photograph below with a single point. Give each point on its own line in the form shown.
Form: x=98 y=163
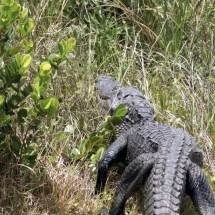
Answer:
x=25 y=102
x=95 y=146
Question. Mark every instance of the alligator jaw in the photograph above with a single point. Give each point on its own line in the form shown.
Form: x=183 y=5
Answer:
x=104 y=104
x=107 y=88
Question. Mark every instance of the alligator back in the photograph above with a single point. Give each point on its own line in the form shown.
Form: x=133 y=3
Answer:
x=174 y=148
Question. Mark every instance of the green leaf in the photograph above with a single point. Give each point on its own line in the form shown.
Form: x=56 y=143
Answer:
x=35 y=96
x=61 y=49
x=26 y=61
x=4 y=118
x=16 y=145
x=26 y=28
x=96 y=157
x=44 y=83
x=95 y=140
x=36 y=84
x=28 y=45
x=52 y=111
x=93 y=134
x=14 y=8
x=119 y=107
x=15 y=99
x=29 y=26
x=121 y=112
x=14 y=50
x=45 y=68
x=1 y=100
x=54 y=58
x=63 y=42
x=18 y=58
x=62 y=63
x=8 y=2
x=59 y=136
x=55 y=103
x=24 y=13
x=1 y=83
x=45 y=104
x=27 y=90
x=29 y=161
x=3 y=145
x=108 y=126
x=88 y=146
x=22 y=31
x=50 y=105
x=36 y=124
x=22 y=114
x=82 y=146
x=16 y=79
x=71 y=42
x=32 y=150
x=115 y=120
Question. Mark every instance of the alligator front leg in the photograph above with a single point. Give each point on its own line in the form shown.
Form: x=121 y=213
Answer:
x=132 y=179
x=115 y=151
x=199 y=190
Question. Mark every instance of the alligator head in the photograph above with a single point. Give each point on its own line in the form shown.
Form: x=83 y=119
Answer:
x=111 y=94
x=107 y=88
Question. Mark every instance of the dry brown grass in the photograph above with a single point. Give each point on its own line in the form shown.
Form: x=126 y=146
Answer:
x=72 y=188
x=58 y=188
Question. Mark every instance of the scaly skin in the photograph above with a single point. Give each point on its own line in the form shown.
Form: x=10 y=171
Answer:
x=169 y=157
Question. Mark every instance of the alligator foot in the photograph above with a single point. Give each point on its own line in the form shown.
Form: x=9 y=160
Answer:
x=199 y=190
x=132 y=179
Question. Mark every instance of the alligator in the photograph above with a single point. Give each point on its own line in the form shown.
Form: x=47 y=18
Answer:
x=166 y=159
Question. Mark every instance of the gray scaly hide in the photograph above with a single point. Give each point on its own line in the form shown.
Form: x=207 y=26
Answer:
x=168 y=157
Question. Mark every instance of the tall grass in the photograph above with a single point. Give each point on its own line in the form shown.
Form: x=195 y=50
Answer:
x=165 y=48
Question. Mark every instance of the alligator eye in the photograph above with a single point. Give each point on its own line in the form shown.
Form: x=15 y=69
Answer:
x=153 y=146
x=103 y=97
x=116 y=90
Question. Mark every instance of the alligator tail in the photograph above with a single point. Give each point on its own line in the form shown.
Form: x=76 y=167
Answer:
x=165 y=187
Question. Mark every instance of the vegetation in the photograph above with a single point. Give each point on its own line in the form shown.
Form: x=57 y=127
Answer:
x=52 y=134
